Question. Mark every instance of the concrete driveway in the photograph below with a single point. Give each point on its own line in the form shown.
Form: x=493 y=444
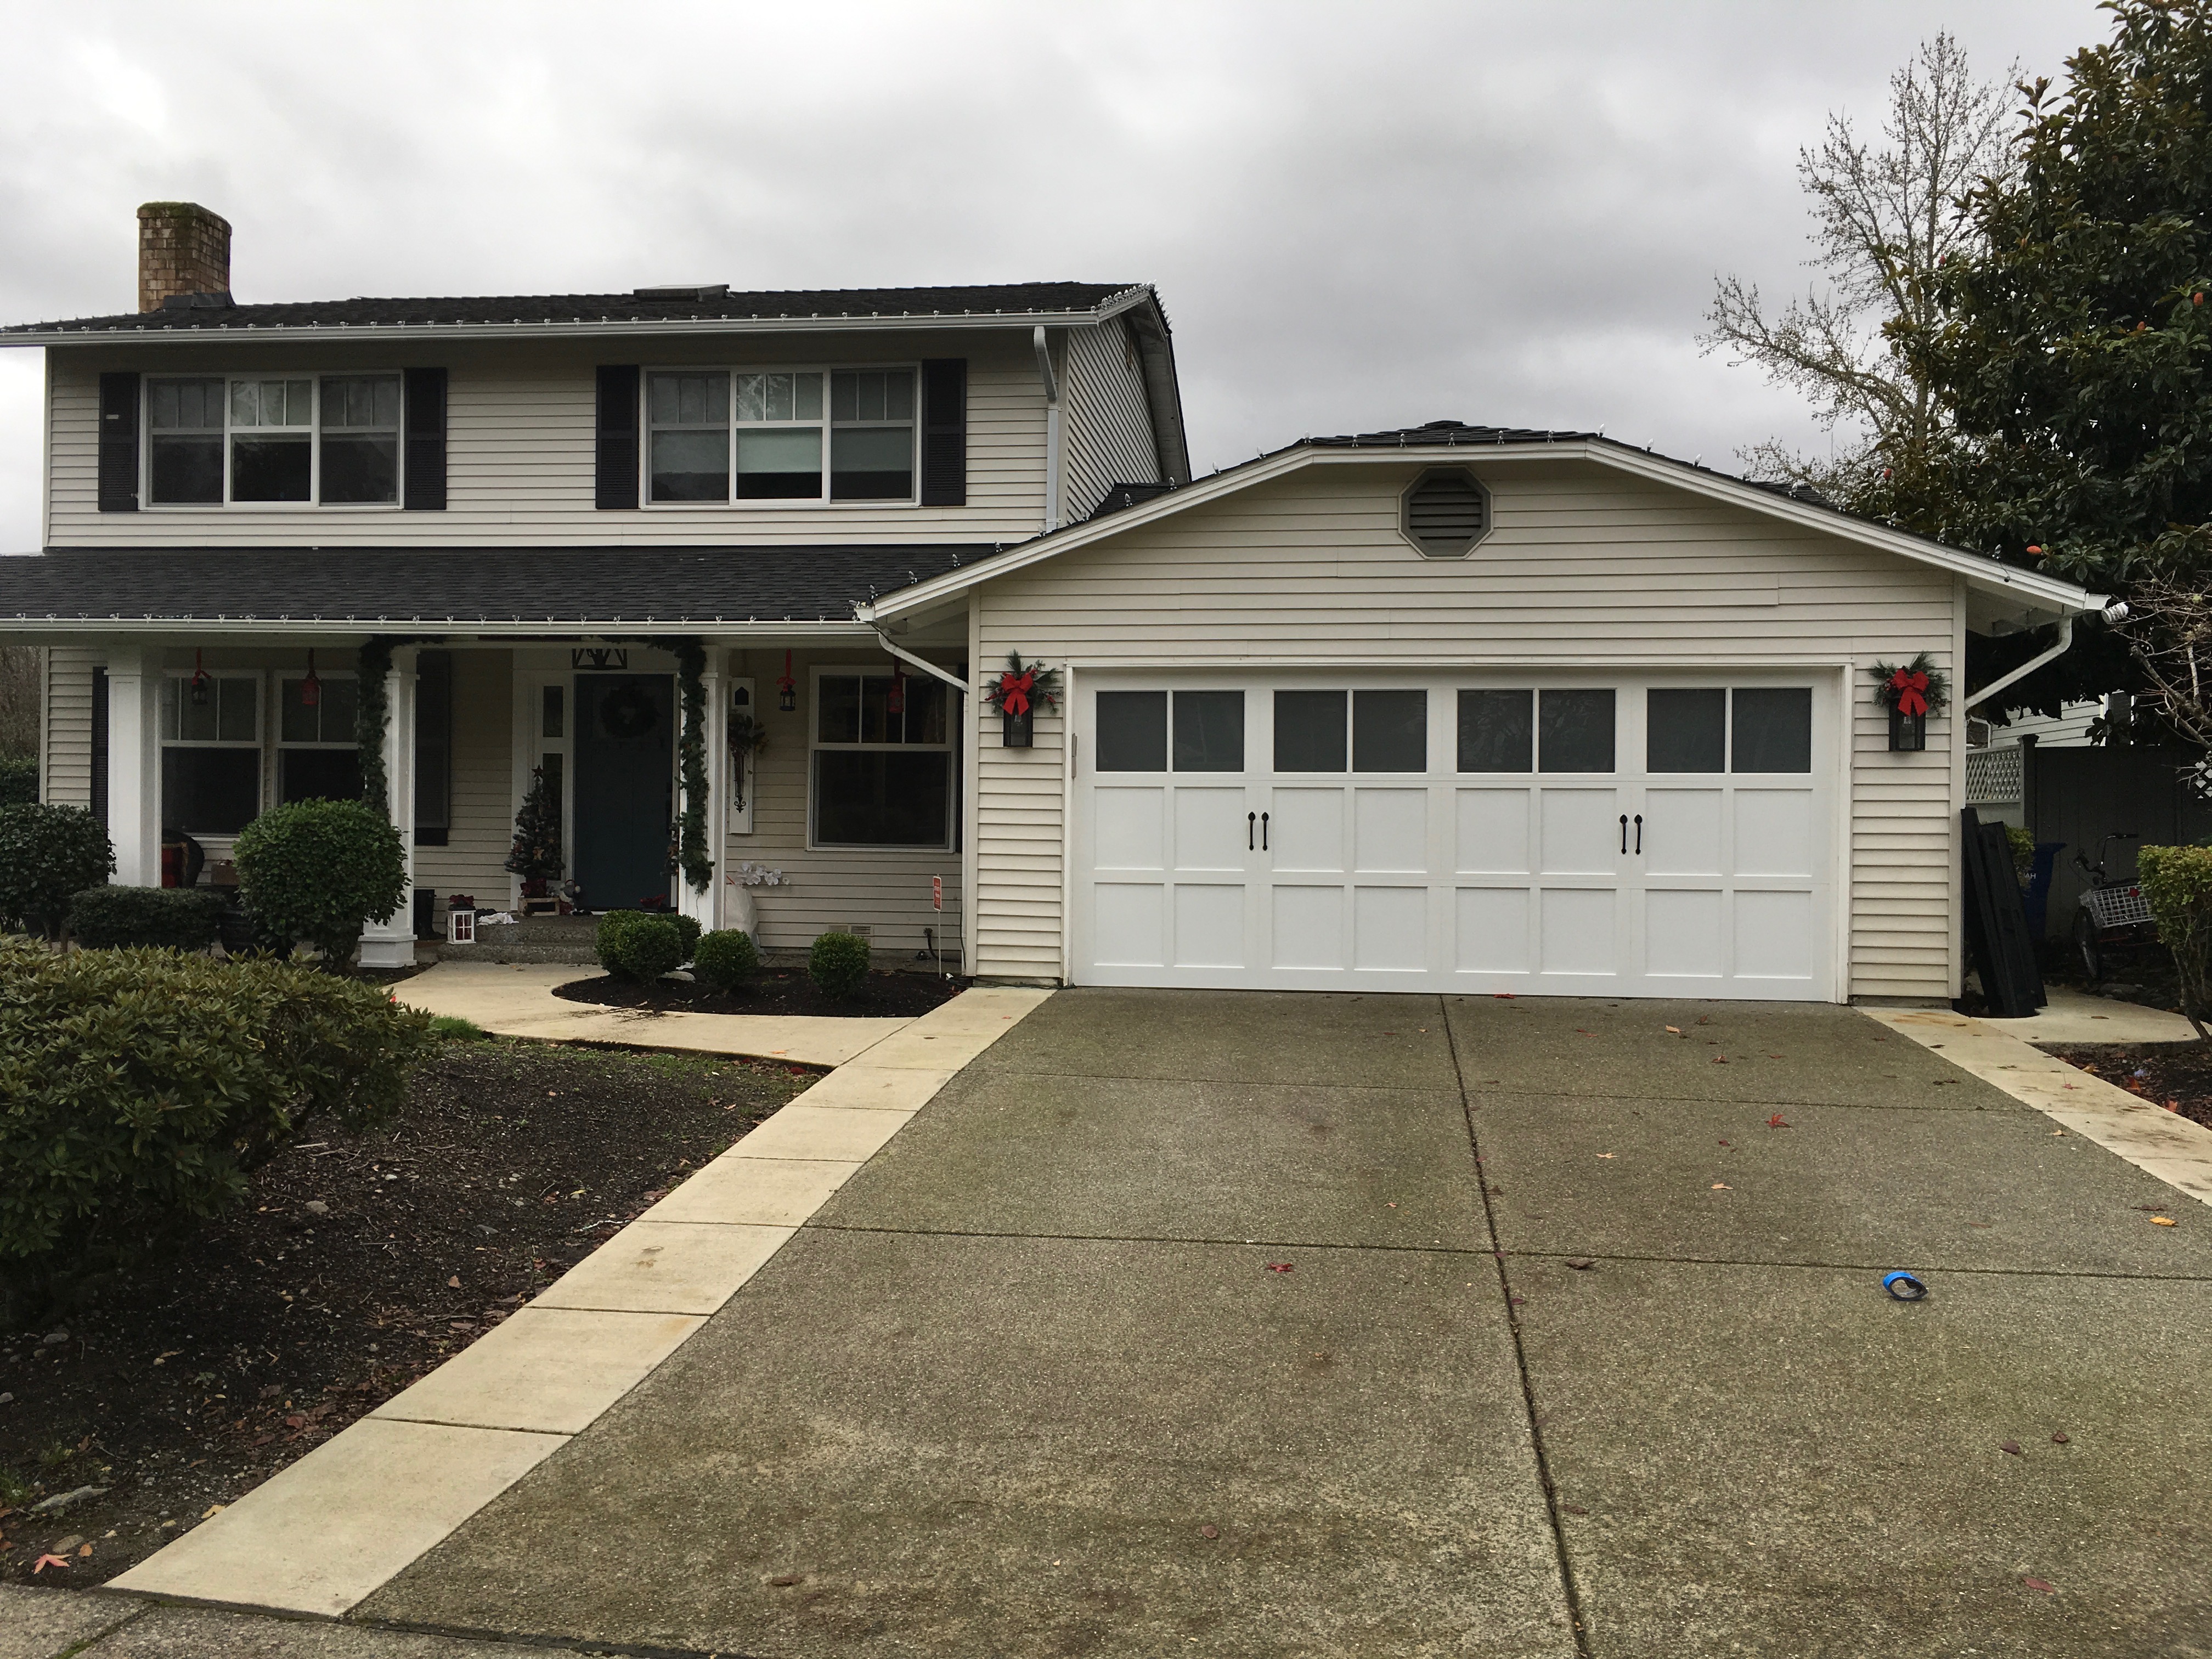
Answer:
x=1256 y=1325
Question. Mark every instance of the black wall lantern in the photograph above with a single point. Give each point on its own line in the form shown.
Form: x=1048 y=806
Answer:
x=1907 y=731
x=1912 y=694
x=1016 y=693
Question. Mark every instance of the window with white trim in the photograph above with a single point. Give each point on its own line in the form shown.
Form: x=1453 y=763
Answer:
x=882 y=762
x=720 y=435
x=330 y=438
x=317 y=756
x=210 y=752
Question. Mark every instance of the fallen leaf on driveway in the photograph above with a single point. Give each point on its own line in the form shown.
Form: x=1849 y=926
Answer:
x=2045 y=1585
x=2059 y=1438
x=45 y=1561
x=1720 y=1060
x=1279 y=1266
x=1608 y=1154
x=1209 y=1532
x=455 y=1283
x=1721 y=1187
x=2162 y=1221
x=1573 y=1508
x=1580 y=1261
x=1676 y=1029
x=1778 y=1122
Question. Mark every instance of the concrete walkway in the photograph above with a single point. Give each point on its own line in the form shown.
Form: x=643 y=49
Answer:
x=517 y=1000
x=1182 y=1324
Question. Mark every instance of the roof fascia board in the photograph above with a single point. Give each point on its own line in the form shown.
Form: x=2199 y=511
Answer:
x=519 y=628
x=1107 y=309
x=1986 y=573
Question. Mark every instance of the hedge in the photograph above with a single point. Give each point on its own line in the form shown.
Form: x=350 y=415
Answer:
x=19 y=779
x=2177 y=884
x=636 y=946
x=168 y=918
x=139 y=1089
x=47 y=854
x=726 y=959
x=321 y=870
x=838 y=965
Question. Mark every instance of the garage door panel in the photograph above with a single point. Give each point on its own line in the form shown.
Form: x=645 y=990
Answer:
x=1774 y=935
x=1492 y=831
x=1389 y=929
x=1209 y=828
x=1306 y=831
x=1578 y=928
x=1578 y=832
x=1128 y=923
x=1491 y=930
x=1126 y=828
x=1682 y=832
x=1682 y=933
x=1307 y=926
x=1390 y=832
x=1774 y=832
x=1209 y=925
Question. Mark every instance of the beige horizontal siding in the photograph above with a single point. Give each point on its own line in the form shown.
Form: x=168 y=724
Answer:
x=1584 y=566
x=65 y=760
x=519 y=450
x=474 y=858
x=1109 y=434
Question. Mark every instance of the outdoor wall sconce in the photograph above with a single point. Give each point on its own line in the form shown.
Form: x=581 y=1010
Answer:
x=1910 y=693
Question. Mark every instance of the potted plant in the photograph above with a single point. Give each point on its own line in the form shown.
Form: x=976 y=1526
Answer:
x=1016 y=693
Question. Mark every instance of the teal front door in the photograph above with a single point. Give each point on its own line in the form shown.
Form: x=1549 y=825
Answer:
x=625 y=753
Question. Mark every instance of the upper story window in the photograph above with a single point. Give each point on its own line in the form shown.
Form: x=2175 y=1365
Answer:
x=796 y=436
x=333 y=439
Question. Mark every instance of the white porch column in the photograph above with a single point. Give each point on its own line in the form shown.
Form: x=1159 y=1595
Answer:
x=134 y=763
x=391 y=943
x=707 y=909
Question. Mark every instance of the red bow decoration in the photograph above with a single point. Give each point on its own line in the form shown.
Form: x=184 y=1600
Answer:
x=1014 y=690
x=1911 y=690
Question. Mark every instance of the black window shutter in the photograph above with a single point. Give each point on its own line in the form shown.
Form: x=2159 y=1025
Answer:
x=616 y=483
x=119 y=443
x=434 y=748
x=99 y=747
x=945 y=432
x=426 y=441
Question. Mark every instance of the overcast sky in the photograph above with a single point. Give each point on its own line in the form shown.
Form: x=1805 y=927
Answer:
x=1358 y=215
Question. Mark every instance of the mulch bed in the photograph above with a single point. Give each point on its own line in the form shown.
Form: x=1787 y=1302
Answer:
x=2175 y=1075
x=776 y=991
x=359 y=1264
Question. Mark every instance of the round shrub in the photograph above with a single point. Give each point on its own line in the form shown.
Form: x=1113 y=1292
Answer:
x=726 y=959
x=688 y=928
x=838 y=965
x=634 y=946
x=2177 y=885
x=164 y=917
x=143 y=1087
x=47 y=854
x=321 y=870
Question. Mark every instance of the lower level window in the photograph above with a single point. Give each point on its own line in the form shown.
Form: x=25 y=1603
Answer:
x=882 y=761
x=211 y=753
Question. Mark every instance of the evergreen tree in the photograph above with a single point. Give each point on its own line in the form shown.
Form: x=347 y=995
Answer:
x=537 y=852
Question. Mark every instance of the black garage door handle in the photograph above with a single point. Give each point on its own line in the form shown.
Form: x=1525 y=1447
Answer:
x=1623 y=832
x=1639 y=832
x=1263 y=832
x=1251 y=818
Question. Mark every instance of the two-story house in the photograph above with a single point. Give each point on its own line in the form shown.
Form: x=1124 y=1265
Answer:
x=1446 y=707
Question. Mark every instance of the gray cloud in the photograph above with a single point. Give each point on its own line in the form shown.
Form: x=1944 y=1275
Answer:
x=1358 y=215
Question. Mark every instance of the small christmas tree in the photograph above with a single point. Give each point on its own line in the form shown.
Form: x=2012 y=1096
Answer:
x=536 y=854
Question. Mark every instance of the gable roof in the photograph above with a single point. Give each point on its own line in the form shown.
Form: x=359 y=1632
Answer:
x=497 y=589
x=708 y=308
x=1447 y=441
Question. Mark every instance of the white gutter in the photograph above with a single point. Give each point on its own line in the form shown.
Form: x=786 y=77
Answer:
x=201 y=333
x=516 y=628
x=1052 y=428
x=928 y=668
x=2065 y=639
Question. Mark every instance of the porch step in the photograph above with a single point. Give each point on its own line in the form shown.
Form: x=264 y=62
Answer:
x=438 y=951
x=530 y=939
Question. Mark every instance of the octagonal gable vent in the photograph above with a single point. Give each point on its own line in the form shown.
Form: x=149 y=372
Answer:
x=1447 y=513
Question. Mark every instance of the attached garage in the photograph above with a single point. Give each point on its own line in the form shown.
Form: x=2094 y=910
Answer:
x=1464 y=710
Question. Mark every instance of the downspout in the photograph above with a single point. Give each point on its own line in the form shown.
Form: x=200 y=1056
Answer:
x=1052 y=428
x=907 y=656
x=2065 y=639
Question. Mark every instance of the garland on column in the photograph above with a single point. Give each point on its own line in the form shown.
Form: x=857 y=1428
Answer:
x=373 y=714
x=692 y=852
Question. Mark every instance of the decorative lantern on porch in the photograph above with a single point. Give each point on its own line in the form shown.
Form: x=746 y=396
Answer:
x=1016 y=693
x=1912 y=694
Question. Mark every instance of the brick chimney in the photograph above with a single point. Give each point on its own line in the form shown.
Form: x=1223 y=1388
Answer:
x=182 y=250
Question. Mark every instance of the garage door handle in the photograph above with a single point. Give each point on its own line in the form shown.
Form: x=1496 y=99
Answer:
x=1639 y=832
x=1263 y=832
x=1623 y=832
x=1251 y=818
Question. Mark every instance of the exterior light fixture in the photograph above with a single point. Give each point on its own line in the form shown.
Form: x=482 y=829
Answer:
x=200 y=683
x=787 y=688
x=311 y=689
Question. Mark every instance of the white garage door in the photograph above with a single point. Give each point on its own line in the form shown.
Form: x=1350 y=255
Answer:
x=1626 y=835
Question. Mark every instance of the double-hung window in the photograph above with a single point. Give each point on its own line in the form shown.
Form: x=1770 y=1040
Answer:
x=317 y=758
x=333 y=439
x=882 y=761
x=781 y=435
x=211 y=753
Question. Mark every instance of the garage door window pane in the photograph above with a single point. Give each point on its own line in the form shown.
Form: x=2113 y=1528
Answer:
x=1310 y=730
x=1132 y=730
x=1209 y=731
x=1774 y=729
x=1574 y=731
x=1389 y=730
x=1496 y=731
x=1686 y=731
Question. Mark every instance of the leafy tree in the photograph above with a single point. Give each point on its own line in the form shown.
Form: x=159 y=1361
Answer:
x=1886 y=219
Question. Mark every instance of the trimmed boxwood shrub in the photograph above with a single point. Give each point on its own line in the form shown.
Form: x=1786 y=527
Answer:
x=687 y=927
x=726 y=959
x=19 y=779
x=47 y=854
x=633 y=944
x=321 y=870
x=139 y=1089
x=2177 y=884
x=838 y=965
x=169 y=918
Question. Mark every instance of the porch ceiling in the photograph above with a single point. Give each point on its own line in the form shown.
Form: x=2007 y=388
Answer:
x=635 y=589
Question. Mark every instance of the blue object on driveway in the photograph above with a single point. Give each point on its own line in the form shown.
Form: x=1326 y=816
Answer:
x=1904 y=1286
